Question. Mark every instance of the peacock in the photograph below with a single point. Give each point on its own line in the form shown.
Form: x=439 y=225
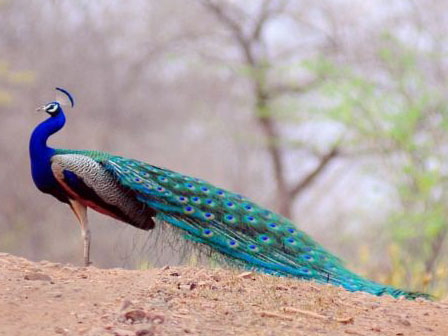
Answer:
x=142 y=195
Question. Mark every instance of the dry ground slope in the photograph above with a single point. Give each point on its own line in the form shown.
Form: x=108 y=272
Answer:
x=53 y=299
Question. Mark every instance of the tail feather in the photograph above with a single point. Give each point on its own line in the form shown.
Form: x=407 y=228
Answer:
x=238 y=228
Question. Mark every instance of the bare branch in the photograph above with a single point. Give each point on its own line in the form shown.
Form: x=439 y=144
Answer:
x=262 y=94
x=282 y=89
x=261 y=19
x=235 y=28
x=266 y=12
x=271 y=135
x=222 y=16
x=136 y=68
x=323 y=163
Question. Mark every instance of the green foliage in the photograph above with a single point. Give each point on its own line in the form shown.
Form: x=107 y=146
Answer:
x=403 y=116
x=321 y=67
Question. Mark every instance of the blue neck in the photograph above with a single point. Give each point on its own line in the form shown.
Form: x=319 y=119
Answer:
x=41 y=154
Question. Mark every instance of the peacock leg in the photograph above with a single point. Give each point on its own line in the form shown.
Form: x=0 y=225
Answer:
x=80 y=212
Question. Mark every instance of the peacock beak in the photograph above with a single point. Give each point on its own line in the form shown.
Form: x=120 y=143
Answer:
x=40 y=108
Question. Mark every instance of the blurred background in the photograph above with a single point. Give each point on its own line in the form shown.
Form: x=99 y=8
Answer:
x=333 y=113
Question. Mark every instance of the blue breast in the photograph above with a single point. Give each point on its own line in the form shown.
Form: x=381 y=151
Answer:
x=41 y=172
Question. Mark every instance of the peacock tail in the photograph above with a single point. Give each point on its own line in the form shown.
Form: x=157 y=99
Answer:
x=227 y=222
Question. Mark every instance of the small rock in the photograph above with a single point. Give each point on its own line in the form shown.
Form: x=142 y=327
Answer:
x=144 y=332
x=60 y=331
x=346 y=320
x=134 y=316
x=282 y=288
x=155 y=318
x=175 y=274
x=37 y=276
x=245 y=275
x=314 y=288
x=189 y=286
x=215 y=277
x=405 y=322
x=49 y=264
x=122 y=332
x=440 y=305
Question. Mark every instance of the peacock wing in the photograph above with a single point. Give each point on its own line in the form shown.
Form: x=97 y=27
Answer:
x=84 y=178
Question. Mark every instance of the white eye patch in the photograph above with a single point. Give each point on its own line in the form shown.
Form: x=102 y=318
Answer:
x=51 y=108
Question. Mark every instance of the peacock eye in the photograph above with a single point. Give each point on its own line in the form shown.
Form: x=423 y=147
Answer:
x=51 y=108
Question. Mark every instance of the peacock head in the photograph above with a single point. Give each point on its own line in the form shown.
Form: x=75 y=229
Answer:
x=54 y=108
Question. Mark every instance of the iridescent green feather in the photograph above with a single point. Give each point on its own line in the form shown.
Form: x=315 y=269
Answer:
x=233 y=225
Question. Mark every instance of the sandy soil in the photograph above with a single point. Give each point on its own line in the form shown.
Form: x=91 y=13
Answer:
x=53 y=299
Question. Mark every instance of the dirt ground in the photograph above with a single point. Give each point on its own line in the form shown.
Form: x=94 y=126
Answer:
x=47 y=298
